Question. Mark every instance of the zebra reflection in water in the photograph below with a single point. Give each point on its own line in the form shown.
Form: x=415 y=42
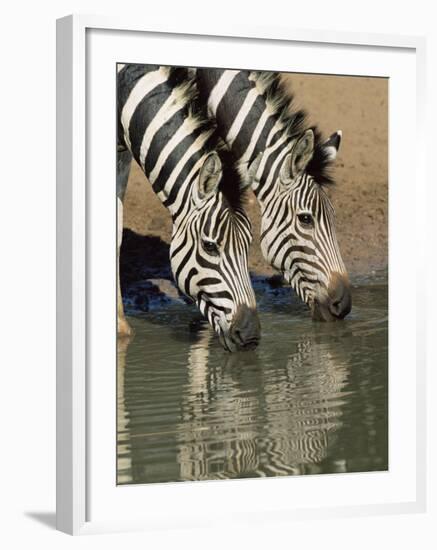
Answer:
x=124 y=460
x=228 y=417
x=297 y=410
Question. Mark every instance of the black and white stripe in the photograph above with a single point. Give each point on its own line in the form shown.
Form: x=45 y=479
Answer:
x=286 y=163
x=182 y=156
x=300 y=407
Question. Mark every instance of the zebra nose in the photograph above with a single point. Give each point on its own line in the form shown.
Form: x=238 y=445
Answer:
x=245 y=329
x=339 y=296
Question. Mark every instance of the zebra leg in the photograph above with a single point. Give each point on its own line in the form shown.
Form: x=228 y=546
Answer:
x=123 y=165
x=123 y=327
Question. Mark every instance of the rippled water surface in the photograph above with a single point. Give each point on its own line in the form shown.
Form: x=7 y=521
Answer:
x=311 y=399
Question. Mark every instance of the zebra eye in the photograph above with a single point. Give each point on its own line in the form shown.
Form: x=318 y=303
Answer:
x=210 y=247
x=306 y=219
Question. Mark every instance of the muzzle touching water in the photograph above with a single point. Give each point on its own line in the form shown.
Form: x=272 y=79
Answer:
x=336 y=303
x=245 y=331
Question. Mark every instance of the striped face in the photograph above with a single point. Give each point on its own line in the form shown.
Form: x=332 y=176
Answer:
x=298 y=238
x=209 y=259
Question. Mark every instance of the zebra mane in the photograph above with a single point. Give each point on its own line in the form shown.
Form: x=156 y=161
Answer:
x=280 y=102
x=185 y=88
x=231 y=184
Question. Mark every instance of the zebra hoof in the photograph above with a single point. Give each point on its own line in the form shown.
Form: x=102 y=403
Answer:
x=123 y=328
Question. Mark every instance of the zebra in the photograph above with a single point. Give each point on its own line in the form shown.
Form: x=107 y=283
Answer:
x=186 y=162
x=287 y=164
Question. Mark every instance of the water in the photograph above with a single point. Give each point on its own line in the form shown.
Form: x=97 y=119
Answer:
x=312 y=399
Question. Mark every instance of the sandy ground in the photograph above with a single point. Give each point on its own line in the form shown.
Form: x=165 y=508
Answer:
x=359 y=107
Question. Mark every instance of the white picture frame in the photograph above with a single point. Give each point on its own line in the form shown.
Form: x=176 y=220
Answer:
x=75 y=348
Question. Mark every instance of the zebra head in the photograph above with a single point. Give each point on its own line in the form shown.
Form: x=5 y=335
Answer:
x=209 y=254
x=298 y=224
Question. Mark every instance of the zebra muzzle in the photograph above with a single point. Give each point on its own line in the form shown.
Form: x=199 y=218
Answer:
x=245 y=331
x=337 y=303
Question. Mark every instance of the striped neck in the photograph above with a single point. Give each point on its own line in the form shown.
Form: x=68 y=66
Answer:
x=247 y=122
x=165 y=137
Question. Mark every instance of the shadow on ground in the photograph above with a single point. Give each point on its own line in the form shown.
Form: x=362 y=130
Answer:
x=143 y=257
x=45 y=518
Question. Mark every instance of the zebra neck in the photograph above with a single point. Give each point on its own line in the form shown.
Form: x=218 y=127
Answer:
x=264 y=184
x=167 y=140
x=174 y=167
x=247 y=123
x=240 y=109
x=174 y=180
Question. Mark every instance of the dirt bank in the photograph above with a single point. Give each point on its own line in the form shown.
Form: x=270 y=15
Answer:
x=359 y=107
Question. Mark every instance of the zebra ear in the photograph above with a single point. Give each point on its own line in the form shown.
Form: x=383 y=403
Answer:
x=332 y=145
x=302 y=153
x=210 y=176
x=296 y=162
x=285 y=173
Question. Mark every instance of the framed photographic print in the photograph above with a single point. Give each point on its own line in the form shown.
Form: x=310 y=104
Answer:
x=234 y=342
